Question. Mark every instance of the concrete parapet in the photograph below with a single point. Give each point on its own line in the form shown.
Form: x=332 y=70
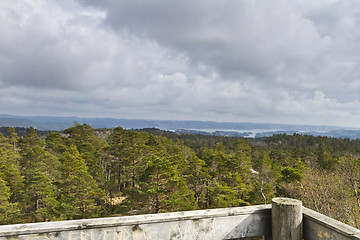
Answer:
x=281 y=220
x=318 y=226
x=227 y=223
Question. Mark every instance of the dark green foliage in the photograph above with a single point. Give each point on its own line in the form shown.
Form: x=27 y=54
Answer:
x=289 y=174
x=9 y=212
x=10 y=168
x=229 y=172
x=40 y=171
x=13 y=137
x=21 y=131
x=56 y=143
x=40 y=200
x=83 y=173
x=162 y=189
x=80 y=196
x=89 y=147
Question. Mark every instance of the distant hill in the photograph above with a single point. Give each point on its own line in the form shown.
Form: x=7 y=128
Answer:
x=235 y=129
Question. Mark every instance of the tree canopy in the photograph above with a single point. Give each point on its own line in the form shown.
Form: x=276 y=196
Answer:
x=84 y=172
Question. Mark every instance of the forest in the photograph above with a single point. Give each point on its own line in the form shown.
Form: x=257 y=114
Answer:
x=83 y=172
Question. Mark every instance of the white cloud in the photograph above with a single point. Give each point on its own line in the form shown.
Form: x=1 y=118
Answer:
x=279 y=61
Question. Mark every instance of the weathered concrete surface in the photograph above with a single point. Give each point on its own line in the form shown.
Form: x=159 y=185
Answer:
x=286 y=219
x=228 y=223
x=318 y=226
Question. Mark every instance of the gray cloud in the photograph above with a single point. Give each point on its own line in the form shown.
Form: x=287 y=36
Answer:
x=279 y=61
x=277 y=43
x=246 y=36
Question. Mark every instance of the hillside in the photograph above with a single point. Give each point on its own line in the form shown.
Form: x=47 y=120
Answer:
x=84 y=172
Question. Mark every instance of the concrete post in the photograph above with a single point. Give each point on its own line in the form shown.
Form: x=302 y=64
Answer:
x=286 y=216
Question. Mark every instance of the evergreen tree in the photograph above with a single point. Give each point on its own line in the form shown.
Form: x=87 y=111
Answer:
x=265 y=179
x=80 y=196
x=163 y=189
x=40 y=197
x=229 y=169
x=29 y=144
x=10 y=169
x=40 y=170
x=9 y=212
x=13 y=138
x=56 y=143
x=89 y=147
x=128 y=151
x=11 y=183
x=197 y=179
x=325 y=160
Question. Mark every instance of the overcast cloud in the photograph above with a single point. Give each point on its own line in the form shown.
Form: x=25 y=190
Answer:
x=274 y=61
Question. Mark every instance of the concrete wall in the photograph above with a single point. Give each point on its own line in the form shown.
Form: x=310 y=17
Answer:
x=228 y=223
x=318 y=226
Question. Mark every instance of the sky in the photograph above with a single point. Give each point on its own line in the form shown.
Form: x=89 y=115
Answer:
x=279 y=61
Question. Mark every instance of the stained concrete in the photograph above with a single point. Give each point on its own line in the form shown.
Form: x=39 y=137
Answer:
x=228 y=223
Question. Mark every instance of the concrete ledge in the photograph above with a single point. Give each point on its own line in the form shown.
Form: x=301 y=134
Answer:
x=225 y=223
x=319 y=226
x=211 y=224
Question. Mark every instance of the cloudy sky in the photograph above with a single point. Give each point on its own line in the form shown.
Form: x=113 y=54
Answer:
x=279 y=61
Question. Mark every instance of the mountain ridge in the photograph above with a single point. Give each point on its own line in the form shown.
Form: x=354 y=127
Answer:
x=239 y=129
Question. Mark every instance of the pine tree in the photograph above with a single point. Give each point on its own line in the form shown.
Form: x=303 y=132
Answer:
x=89 y=147
x=13 y=138
x=29 y=144
x=325 y=160
x=40 y=170
x=10 y=168
x=56 y=143
x=9 y=212
x=264 y=184
x=163 y=189
x=197 y=179
x=80 y=196
x=40 y=197
x=11 y=183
